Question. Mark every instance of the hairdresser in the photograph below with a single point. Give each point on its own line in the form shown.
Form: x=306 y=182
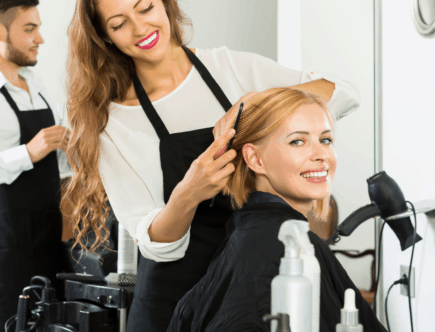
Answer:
x=32 y=161
x=148 y=118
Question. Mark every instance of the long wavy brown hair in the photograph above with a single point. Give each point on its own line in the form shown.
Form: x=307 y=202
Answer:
x=265 y=114
x=98 y=73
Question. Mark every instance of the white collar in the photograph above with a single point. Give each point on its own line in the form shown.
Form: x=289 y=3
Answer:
x=28 y=75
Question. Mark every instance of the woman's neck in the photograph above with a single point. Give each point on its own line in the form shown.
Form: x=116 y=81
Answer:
x=161 y=78
x=302 y=206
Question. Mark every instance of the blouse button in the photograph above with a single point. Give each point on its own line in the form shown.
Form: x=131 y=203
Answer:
x=137 y=240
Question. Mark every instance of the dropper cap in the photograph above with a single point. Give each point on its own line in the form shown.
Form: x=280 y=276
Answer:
x=349 y=314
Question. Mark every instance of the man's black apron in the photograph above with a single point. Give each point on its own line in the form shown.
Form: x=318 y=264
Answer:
x=30 y=218
x=161 y=285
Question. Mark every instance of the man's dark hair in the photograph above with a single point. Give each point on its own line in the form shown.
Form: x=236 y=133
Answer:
x=5 y=5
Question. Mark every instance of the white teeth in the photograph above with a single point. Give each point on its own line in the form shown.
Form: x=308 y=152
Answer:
x=315 y=174
x=149 y=40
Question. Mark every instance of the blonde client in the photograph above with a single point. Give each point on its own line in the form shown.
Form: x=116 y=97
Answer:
x=284 y=168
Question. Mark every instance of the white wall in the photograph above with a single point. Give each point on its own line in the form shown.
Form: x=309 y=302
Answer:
x=55 y=17
x=409 y=155
x=243 y=25
x=336 y=37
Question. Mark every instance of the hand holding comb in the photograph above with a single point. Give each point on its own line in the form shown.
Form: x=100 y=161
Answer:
x=231 y=140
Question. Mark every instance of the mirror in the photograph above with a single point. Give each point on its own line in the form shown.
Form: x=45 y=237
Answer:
x=341 y=45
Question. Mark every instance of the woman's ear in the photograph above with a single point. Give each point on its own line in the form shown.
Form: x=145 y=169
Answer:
x=252 y=158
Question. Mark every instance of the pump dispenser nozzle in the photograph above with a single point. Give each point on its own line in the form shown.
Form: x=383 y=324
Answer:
x=295 y=229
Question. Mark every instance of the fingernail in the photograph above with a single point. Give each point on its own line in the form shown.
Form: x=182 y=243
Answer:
x=232 y=132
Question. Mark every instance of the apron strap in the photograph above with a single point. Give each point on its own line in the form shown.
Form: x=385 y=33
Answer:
x=9 y=99
x=209 y=80
x=12 y=103
x=149 y=109
x=48 y=106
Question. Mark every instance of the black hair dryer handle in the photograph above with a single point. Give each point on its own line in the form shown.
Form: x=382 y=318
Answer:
x=357 y=218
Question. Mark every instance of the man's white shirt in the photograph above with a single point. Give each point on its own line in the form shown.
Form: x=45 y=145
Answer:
x=14 y=158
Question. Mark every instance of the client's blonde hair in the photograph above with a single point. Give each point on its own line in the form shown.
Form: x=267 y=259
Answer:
x=267 y=111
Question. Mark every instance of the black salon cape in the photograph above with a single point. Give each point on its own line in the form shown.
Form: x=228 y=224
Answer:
x=234 y=294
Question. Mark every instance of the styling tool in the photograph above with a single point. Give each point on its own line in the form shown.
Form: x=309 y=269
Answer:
x=231 y=140
x=112 y=279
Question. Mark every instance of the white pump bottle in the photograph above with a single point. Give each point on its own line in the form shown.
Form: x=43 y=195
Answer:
x=291 y=290
x=312 y=272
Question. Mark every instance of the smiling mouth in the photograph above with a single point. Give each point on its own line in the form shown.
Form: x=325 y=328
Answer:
x=148 y=40
x=314 y=175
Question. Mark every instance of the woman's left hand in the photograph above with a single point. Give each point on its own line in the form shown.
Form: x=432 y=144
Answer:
x=225 y=122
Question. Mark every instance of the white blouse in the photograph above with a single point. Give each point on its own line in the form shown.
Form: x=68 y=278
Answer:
x=130 y=159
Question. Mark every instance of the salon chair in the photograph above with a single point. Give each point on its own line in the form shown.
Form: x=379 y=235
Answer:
x=368 y=295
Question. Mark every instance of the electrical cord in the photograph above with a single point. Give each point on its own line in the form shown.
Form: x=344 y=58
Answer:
x=379 y=268
x=35 y=315
x=33 y=288
x=9 y=322
x=403 y=280
x=37 y=318
x=410 y=266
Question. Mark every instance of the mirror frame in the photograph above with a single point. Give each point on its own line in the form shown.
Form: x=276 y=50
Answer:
x=424 y=29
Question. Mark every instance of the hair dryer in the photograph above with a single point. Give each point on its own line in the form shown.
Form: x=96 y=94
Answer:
x=387 y=200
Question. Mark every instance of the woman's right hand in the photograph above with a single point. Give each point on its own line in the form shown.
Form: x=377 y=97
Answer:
x=207 y=176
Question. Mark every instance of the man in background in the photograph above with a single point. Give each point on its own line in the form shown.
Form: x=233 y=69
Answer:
x=32 y=161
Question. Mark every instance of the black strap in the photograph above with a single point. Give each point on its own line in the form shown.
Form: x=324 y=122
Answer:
x=48 y=106
x=149 y=109
x=12 y=103
x=9 y=99
x=209 y=80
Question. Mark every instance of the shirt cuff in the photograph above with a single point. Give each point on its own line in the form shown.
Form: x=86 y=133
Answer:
x=345 y=98
x=159 y=251
x=17 y=159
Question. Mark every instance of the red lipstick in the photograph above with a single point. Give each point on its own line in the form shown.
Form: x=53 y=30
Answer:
x=150 y=45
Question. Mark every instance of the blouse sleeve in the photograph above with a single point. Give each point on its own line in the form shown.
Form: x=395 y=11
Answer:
x=133 y=204
x=257 y=73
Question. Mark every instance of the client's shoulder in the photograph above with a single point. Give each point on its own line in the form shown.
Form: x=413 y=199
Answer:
x=267 y=212
x=258 y=222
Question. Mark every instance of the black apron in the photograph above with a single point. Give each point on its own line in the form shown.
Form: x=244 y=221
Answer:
x=161 y=285
x=30 y=218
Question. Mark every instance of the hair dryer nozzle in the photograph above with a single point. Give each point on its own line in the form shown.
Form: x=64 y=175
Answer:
x=404 y=231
